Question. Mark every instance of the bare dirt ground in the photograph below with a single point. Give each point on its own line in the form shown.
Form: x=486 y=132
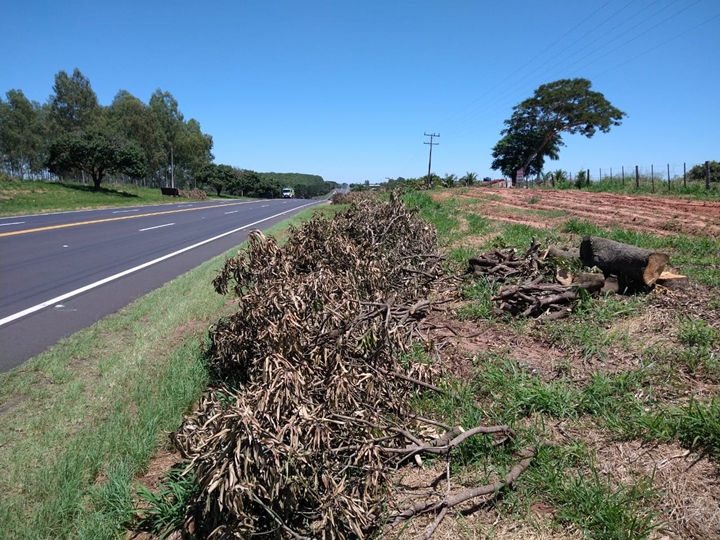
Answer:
x=659 y=215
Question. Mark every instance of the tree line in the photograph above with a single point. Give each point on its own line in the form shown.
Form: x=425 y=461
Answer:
x=73 y=137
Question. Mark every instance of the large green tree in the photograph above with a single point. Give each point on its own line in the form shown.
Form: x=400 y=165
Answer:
x=519 y=150
x=97 y=154
x=536 y=125
x=131 y=119
x=165 y=108
x=192 y=149
x=22 y=135
x=74 y=105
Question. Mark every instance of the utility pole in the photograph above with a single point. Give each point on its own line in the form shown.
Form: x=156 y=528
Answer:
x=428 y=184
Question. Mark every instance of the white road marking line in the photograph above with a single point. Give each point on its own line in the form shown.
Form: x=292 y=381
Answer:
x=183 y=205
x=125 y=211
x=86 y=288
x=264 y=205
x=226 y=213
x=13 y=223
x=156 y=227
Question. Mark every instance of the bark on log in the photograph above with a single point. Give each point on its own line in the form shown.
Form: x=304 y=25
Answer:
x=635 y=267
x=591 y=282
x=554 y=252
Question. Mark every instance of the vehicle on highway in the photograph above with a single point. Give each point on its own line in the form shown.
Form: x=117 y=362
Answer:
x=288 y=193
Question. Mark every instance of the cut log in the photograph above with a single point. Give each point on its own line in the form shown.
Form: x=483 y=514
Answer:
x=673 y=281
x=610 y=286
x=585 y=280
x=592 y=283
x=564 y=277
x=634 y=267
x=554 y=252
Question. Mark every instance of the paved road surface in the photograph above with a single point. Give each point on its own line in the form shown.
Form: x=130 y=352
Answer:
x=62 y=272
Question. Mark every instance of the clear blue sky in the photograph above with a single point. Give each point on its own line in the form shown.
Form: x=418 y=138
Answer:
x=345 y=89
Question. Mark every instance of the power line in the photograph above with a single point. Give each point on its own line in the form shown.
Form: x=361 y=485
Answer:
x=477 y=117
x=681 y=34
x=531 y=60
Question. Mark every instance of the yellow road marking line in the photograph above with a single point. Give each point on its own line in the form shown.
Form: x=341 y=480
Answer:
x=39 y=229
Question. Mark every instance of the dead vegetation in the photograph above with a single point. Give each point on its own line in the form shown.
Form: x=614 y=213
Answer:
x=310 y=430
x=313 y=410
x=195 y=193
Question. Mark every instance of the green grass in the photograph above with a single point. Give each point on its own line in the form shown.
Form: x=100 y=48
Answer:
x=80 y=421
x=33 y=197
x=165 y=510
x=645 y=403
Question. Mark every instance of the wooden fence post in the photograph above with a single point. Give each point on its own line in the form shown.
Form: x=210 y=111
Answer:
x=652 y=178
x=669 y=187
x=707 y=175
x=637 y=178
x=684 y=175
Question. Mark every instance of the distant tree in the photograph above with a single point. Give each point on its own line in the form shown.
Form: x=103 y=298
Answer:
x=252 y=185
x=559 y=179
x=193 y=148
x=536 y=125
x=698 y=172
x=306 y=186
x=22 y=135
x=218 y=177
x=582 y=179
x=449 y=180
x=97 y=154
x=512 y=151
x=469 y=179
x=167 y=113
x=74 y=105
x=131 y=119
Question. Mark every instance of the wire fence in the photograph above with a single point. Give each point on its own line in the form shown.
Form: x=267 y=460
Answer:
x=666 y=177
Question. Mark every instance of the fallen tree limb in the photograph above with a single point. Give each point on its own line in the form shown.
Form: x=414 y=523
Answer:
x=453 y=500
x=554 y=252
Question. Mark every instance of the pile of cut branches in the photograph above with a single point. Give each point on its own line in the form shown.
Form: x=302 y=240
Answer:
x=313 y=413
x=501 y=264
x=548 y=283
x=352 y=197
x=195 y=193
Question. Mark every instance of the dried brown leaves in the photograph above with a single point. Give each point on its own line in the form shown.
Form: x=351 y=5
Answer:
x=303 y=447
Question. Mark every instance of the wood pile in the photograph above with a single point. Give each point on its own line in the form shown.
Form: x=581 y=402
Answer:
x=548 y=283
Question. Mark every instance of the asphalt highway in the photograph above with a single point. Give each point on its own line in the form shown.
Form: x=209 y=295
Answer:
x=62 y=272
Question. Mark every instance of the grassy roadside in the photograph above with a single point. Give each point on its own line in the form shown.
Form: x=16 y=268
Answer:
x=621 y=399
x=637 y=373
x=80 y=421
x=31 y=197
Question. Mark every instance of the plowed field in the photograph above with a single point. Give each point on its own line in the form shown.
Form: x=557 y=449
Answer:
x=659 y=215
